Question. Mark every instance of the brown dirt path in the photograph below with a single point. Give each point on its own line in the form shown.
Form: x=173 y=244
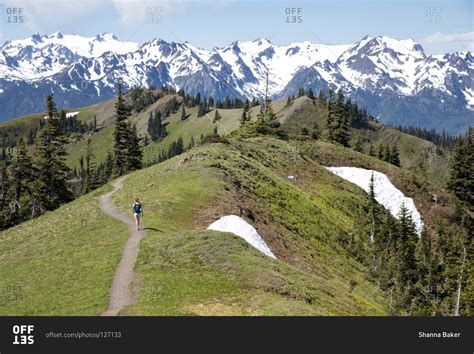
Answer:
x=121 y=293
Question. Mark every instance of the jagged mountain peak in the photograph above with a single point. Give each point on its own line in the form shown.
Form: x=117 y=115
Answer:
x=56 y=34
x=371 y=68
x=106 y=36
x=262 y=41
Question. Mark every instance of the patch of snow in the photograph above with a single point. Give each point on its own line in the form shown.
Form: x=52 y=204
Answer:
x=469 y=96
x=385 y=192
x=240 y=227
x=68 y=115
x=71 y=114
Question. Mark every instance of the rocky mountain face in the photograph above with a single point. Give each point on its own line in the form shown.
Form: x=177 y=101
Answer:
x=395 y=79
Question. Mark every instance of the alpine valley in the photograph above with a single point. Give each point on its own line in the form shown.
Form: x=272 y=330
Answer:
x=394 y=79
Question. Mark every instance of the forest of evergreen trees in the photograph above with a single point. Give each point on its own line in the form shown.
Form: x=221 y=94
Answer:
x=34 y=182
x=422 y=274
x=443 y=140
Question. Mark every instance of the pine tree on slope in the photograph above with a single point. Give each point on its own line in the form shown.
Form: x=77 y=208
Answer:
x=50 y=188
x=121 y=135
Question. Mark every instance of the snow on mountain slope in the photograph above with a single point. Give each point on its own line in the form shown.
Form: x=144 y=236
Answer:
x=39 y=57
x=385 y=192
x=389 y=77
x=83 y=46
x=365 y=63
x=281 y=62
x=239 y=227
x=372 y=63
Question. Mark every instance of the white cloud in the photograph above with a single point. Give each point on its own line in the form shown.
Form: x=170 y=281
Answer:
x=439 y=37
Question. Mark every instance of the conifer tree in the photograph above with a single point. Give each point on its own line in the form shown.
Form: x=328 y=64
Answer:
x=121 y=135
x=151 y=126
x=330 y=119
x=461 y=172
x=134 y=152
x=244 y=117
x=380 y=151
x=372 y=209
x=387 y=154
x=31 y=136
x=217 y=116
x=5 y=188
x=50 y=188
x=200 y=111
x=109 y=166
x=321 y=97
x=160 y=130
x=371 y=150
x=421 y=304
x=341 y=121
x=183 y=113
x=406 y=244
x=179 y=146
x=197 y=99
x=315 y=131
x=210 y=102
x=358 y=145
x=21 y=175
x=395 y=156
x=90 y=179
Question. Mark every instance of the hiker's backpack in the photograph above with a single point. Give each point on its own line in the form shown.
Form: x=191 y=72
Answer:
x=137 y=207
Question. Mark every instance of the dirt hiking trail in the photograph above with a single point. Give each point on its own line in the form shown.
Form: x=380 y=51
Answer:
x=121 y=293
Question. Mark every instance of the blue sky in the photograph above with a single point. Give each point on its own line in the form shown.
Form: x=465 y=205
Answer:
x=440 y=27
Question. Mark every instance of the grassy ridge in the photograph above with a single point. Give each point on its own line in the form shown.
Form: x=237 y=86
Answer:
x=184 y=269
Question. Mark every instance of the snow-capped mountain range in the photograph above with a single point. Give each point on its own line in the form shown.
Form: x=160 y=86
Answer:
x=395 y=79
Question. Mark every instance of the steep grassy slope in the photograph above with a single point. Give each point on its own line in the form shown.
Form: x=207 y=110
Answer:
x=417 y=155
x=66 y=268
x=433 y=202
x=61 y=263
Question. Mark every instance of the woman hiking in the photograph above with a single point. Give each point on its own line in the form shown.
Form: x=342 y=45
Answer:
x=137 y=212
